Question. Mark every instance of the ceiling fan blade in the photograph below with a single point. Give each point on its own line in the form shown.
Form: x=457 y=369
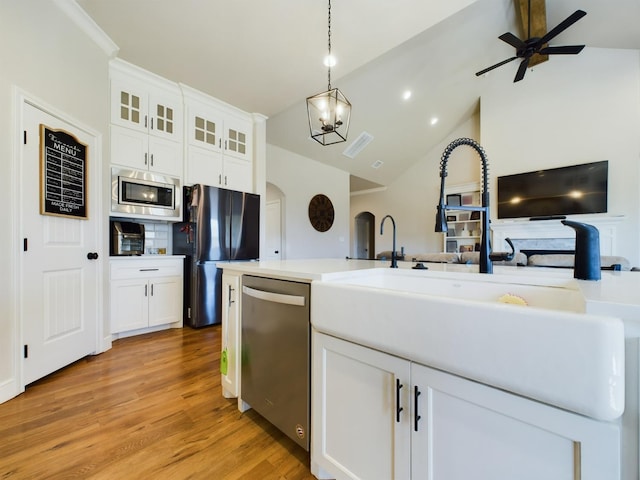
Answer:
x=512 y=40
x=566 y=23
x=565 y=50
x=482 y=72
x=522 y=69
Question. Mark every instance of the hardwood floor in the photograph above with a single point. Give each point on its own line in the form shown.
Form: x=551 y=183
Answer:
x=151 y=407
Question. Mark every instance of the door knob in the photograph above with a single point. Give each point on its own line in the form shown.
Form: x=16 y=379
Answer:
x=92 y=255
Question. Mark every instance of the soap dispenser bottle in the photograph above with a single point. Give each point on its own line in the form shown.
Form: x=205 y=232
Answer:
x=586 y=264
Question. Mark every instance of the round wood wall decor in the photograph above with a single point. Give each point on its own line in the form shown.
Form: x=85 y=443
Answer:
x=321 y=213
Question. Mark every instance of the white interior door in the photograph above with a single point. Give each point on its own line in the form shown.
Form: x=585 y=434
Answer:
x=58 y=282
x=273 y=230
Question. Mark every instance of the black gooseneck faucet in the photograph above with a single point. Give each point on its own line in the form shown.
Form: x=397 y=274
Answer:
x=486 y=265
x=394 y=261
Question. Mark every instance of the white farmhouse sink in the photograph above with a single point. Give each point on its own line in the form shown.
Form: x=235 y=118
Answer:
x=550 y=293
x=550 y=351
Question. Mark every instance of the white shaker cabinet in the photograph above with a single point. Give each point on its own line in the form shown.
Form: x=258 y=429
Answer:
x=143 y=152
x=469 y=430
x=377 y=416
x=219 y=143
x=359 y=429
x=147 y=120
x=146 y=292
x=231 y=334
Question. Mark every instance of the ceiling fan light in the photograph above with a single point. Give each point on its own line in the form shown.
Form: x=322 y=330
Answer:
x=329 y=116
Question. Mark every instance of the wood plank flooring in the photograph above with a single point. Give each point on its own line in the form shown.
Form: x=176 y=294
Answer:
x=149 y=408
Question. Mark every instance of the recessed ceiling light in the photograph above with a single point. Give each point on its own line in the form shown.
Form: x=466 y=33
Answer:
x=434 y=120
x=406 y=95
x=330 y=61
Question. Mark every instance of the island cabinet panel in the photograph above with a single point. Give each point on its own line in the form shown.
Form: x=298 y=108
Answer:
x=230 y=355
x=379 y=416
x=469 y=430
x=357 y=430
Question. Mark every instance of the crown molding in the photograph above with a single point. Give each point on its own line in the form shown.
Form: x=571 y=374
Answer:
x=88 y=26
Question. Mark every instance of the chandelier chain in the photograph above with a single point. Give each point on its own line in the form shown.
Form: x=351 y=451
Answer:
x=329 y=47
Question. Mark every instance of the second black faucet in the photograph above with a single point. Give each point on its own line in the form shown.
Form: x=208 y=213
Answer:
x=394 y=260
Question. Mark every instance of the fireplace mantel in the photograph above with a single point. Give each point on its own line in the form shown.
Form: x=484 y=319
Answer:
x=524 y=229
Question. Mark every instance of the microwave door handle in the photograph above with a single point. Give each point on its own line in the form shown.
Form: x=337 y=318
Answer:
x=274 y=297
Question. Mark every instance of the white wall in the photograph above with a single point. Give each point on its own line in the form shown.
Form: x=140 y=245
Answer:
x=570 y=110
x=300 y=179
x=43 y=53
x=411 y=200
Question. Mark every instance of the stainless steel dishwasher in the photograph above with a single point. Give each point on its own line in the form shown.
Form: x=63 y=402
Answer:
x=275 y=353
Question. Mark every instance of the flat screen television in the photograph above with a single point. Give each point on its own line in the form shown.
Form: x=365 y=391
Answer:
x=576 y=189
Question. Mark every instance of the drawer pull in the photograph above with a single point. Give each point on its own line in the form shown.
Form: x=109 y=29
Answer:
x=149 y=269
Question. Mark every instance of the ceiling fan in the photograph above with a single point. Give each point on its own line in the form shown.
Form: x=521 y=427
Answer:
x=525 y=49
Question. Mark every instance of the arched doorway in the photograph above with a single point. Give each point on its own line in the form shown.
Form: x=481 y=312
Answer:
x=365 y=235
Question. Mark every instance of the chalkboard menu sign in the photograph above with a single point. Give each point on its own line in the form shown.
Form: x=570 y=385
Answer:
x=63 y=174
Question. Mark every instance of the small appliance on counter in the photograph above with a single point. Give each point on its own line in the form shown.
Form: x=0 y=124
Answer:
x=127 y=238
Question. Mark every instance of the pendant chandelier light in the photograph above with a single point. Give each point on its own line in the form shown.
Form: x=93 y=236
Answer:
x=330 y=111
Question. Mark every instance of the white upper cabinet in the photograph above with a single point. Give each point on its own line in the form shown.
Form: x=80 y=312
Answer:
x=173 y=129
x=141 y=151
x=219 y=143
x=147 y=120
x=145 y=102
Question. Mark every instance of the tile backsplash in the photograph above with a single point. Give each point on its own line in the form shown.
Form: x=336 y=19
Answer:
x=156 y=238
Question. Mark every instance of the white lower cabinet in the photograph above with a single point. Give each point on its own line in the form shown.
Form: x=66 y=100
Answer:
x=146 y=293
x=231 y=334
x=356 y=430
x=377 y=416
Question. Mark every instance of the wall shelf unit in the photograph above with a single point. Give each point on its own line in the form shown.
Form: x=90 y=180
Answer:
x=465 y=228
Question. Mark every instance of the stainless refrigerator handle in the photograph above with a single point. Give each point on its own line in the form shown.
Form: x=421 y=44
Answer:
x=274 y=297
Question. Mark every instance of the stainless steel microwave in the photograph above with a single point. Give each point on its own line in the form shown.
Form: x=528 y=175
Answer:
x=145 y=194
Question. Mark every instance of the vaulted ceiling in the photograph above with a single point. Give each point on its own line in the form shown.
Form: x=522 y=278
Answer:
x=266 y=57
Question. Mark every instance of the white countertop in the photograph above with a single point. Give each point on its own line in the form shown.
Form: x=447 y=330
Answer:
x=617 y=294
x=151 y=257
x=301 y=269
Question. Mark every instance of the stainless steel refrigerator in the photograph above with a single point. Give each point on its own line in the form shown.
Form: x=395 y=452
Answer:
x=219 y=225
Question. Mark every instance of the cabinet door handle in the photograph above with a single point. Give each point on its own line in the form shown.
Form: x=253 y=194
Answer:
x=145 y=290
x=225 y=180
x=152 y=289
x=152 y=159
x=220 y=179
x=145 y=158
x=151 y=123
x=230 y=300
x=416 y=416
x=398 y=407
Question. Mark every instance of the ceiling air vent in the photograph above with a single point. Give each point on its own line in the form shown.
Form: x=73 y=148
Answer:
x=377 y=164
x=358 y=144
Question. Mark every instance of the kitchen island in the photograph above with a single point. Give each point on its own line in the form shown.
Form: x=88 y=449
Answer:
x=381 y=409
